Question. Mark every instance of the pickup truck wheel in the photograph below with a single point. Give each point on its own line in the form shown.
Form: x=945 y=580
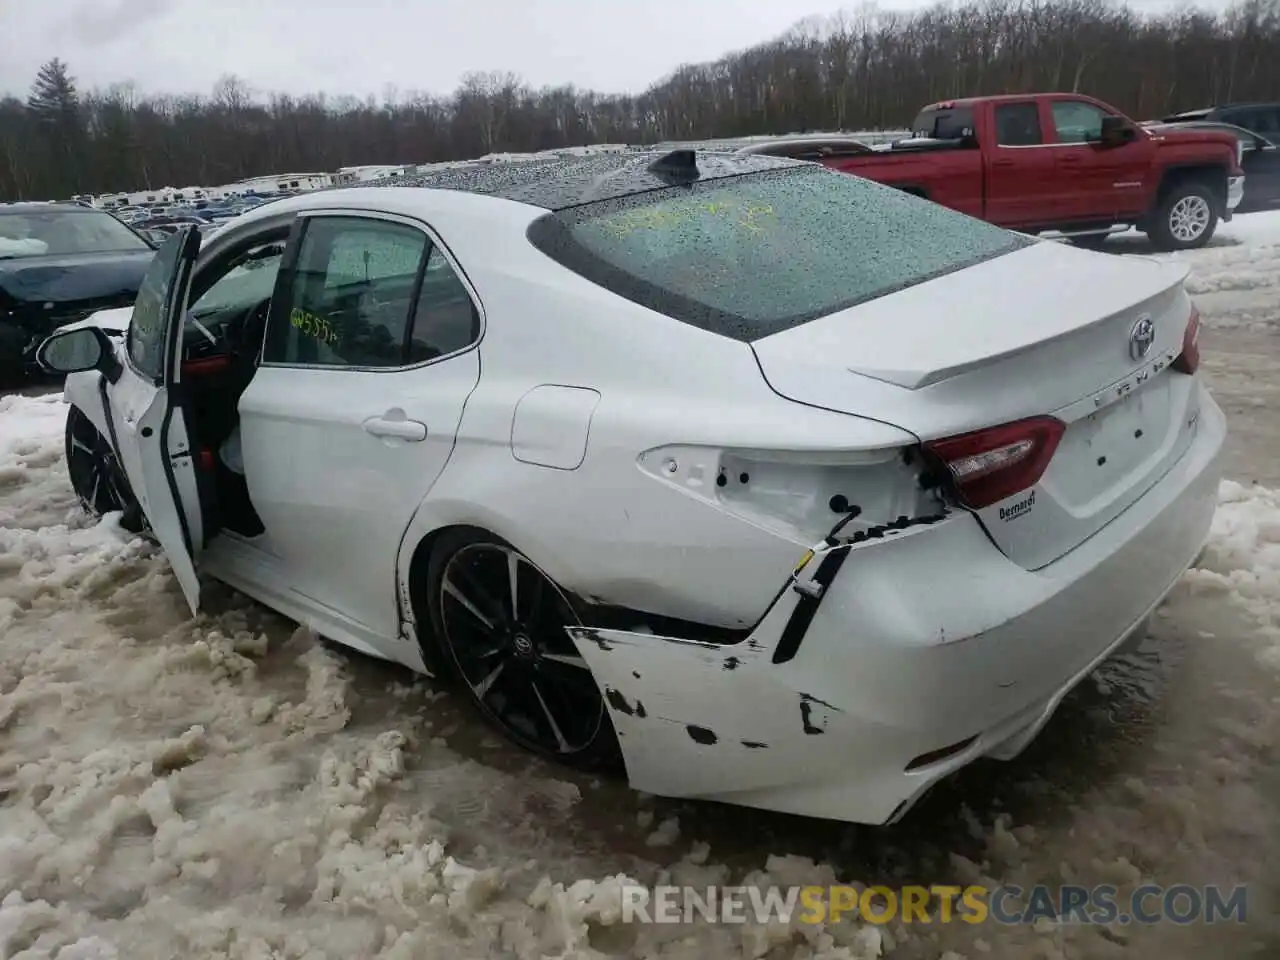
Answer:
x=1186 y=219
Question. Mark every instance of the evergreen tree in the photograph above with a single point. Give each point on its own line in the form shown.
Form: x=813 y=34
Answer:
x=53 y=96
x=59 y=141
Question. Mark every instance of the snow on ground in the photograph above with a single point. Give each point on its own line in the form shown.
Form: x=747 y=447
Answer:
x=1236 y=276
x=208 y=788
x=230 y=787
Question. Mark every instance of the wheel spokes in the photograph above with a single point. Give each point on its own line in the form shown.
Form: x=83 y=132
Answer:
x=97 y=483
x=551 y=720
x=513 y=582
x=504 y=623
x=451 y=589
x=482 y=688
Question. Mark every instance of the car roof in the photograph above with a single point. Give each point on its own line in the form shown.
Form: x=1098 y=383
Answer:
x=999 y=98
x=1200 y=124
x=803 y=140
x=557 y=183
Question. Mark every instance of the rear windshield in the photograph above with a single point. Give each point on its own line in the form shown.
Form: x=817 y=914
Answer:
x=749 y=256
x=944 y=123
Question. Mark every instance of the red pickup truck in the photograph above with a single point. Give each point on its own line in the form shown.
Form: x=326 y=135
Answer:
x=1062 y=162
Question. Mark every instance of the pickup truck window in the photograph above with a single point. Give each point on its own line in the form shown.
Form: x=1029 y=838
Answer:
x=950 y=123
x=1018 y=125
x=751 y=255
x=1077 y=122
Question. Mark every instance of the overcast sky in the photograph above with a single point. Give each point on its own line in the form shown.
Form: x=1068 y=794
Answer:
x=365 y=46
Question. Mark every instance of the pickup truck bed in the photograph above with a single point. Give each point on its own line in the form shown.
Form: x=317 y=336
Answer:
x=1062 y=162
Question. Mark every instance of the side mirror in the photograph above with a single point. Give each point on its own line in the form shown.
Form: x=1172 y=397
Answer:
x=75 y=351
x=1116 y=131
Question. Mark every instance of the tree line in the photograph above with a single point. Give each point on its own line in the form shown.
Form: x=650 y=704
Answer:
x=866 y=68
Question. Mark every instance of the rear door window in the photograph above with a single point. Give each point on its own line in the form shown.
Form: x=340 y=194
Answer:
x=446 y=319
x=749 y=256
x=1018 y=125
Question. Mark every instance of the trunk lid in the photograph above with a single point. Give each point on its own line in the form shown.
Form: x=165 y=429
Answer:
x=1046 y=330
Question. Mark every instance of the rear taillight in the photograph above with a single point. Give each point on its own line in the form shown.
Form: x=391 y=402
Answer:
x=1189 y=359
x=989 y=465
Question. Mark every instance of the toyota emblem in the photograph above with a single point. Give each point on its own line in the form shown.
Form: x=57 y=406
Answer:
x=1141 y=337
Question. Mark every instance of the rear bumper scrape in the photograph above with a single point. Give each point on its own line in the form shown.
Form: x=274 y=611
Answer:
x=929 y=638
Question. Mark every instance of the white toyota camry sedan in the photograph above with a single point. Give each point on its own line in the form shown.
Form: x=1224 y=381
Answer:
x=764 y=483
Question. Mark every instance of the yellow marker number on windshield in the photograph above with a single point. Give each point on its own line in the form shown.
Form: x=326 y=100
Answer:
x=313 y=326
x=749 y=216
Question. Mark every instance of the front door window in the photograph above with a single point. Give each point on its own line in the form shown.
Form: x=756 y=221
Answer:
x=147 y=327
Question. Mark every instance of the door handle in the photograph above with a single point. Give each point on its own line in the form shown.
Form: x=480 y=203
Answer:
x=394 y=424
x=1069 y=161
x=1002 y=163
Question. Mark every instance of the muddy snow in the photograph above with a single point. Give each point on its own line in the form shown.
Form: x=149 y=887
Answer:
x=232 y=787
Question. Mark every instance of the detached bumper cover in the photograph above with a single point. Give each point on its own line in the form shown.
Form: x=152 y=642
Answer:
x=922 y=641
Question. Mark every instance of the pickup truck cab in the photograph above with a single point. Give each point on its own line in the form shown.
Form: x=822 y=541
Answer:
x=1063 y=162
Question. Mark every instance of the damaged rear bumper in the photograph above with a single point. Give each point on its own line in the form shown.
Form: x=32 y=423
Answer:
x=926 y=650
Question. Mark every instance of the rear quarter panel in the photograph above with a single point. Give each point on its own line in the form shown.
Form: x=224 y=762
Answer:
x=604 y=528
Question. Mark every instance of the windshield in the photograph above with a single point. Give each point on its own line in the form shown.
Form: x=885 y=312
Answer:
x=245 y=285
x=58 y=232
x=749 y=256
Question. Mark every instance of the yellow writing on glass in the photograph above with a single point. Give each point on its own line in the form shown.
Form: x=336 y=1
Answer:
x=313 y=326
x=752 y=217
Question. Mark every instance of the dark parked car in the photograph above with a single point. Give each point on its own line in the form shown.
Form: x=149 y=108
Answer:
x=1259 y=157
x=1263 y=118
x=59 y=263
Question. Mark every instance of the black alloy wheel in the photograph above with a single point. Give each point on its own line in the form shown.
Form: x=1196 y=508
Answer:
x=500 y=622
x=95 y=472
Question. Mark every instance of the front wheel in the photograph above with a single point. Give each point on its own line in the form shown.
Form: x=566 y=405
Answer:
x=95 y=472
x=500 y=625
x=1186 y=219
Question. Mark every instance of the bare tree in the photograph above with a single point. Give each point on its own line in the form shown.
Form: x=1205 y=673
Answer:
x=866 y=68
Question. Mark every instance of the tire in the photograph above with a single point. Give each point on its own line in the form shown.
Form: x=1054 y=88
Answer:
x=1186 y=218
x=522 y=672
x=96 y=475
